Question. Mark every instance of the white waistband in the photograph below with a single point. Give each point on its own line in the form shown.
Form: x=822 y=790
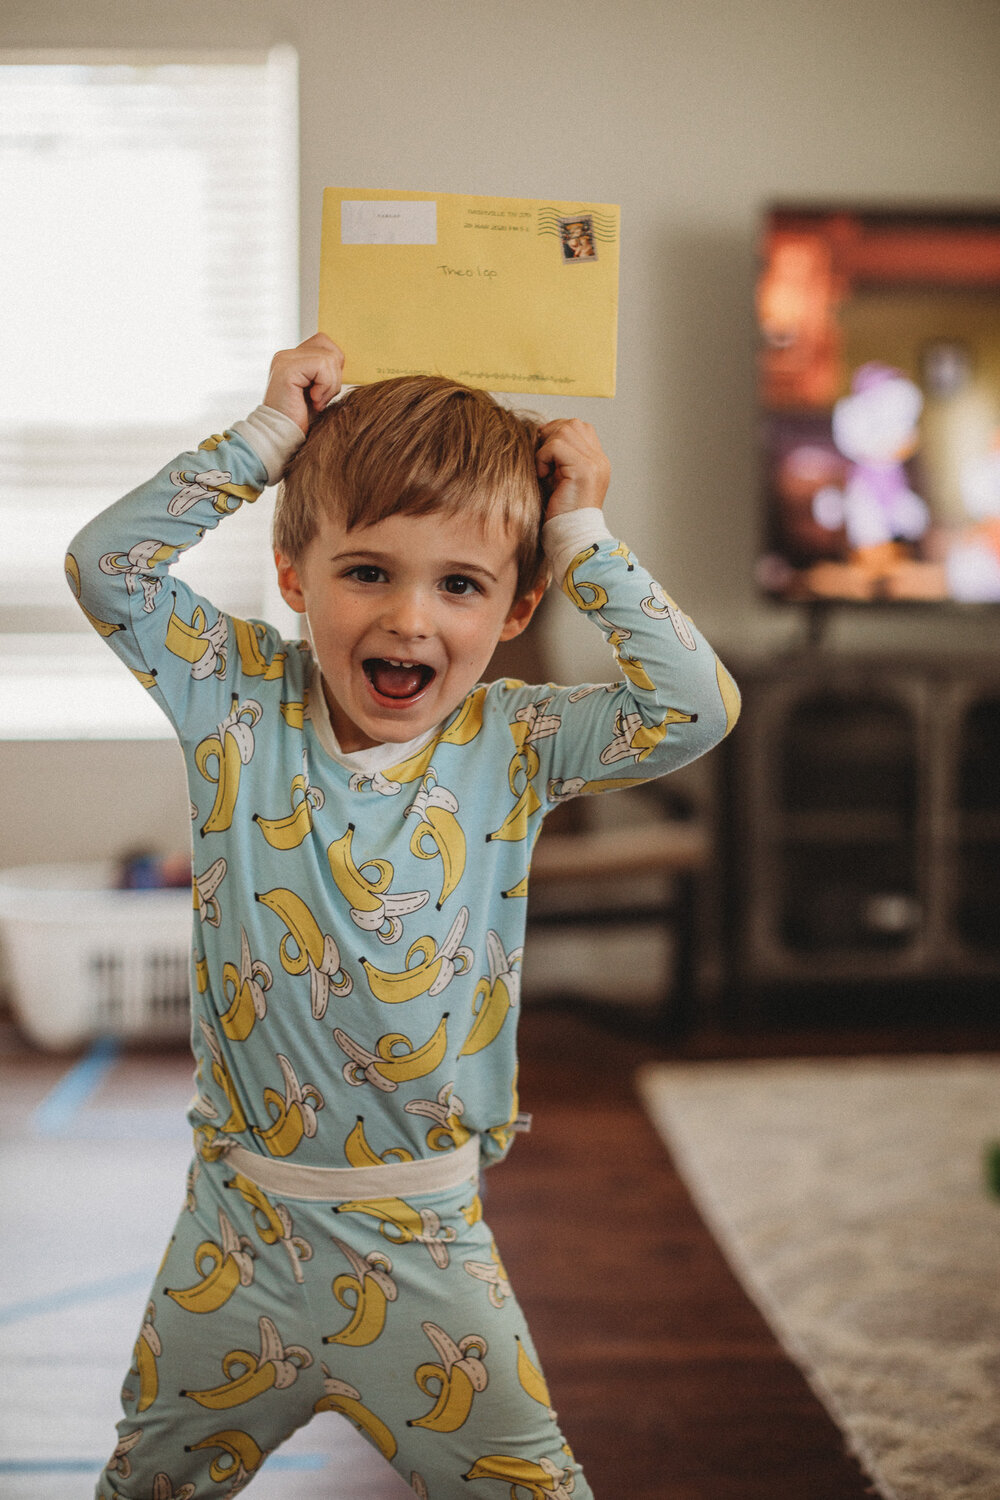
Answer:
x=346 y=1184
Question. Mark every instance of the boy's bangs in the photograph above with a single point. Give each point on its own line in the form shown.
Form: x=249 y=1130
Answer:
x=371 y=499
x=414 y=446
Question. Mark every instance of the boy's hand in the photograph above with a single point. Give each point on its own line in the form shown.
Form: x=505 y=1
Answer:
x=572 y=465
x=305 y=380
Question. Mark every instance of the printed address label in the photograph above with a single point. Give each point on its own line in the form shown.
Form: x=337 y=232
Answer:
x=373 y=221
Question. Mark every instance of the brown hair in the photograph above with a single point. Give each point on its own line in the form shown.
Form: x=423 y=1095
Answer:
x=410 y=446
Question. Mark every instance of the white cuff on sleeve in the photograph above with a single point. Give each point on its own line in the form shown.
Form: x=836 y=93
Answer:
x=565 y=536
x=273 y=437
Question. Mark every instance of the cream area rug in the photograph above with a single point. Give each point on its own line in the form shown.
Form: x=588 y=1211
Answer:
x=850 y=1198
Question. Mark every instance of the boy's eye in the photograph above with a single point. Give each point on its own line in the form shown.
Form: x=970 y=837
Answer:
x=366 y=573
x=457 y=583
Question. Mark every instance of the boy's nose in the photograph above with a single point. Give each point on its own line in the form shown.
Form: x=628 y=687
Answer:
x=407 y=615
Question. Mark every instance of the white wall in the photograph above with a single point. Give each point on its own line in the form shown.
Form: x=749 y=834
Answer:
x=691 y=117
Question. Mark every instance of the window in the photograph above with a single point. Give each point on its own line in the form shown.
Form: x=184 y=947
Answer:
x=149 y=250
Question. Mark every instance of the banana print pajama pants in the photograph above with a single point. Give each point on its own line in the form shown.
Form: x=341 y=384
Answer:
x=270 y=1308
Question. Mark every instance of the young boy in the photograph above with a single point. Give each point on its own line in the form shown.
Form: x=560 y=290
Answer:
x=364 y=813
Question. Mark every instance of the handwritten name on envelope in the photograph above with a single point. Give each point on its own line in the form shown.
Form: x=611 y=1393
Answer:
x=511 y=294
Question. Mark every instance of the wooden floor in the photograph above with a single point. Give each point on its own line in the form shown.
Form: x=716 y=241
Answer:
x=668 y=1382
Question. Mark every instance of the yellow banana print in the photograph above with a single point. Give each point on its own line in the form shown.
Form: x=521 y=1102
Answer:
x=294 y=712
x=660 y=606
x=207 y=1143
x=531 y=1379
x=344 y=1398
x=315 y=951
x=448 y=1132
x=231 y=1265
x=729 y=693
x=634 y=740
x=458 y=1378
x=468 y=721
x=275 y=1367
x=395 y=1059
x=147 y=1350
x=120 y=1463
x=197 y=642
x=366 y=1294
x=231 y=748
x=437 y=810
x=242 y=1458
x=293 y=1116
x=531 y=724
x=203 y=889
x=237 y=1120
x=164 y=1489
x=434 y=970
x=103 y=627
x=504 y=1134
x=492 y=1272
x=461 y=731
x=248 y=1003
x=360 y=1154
x=630 y=665
x=289 y=832
x=217 y=482
x=472 y=1212
x=514 y=828
x=402 y=1224
x=595 y=597
x=249 y=635
x=273 y=1222
x=494 y=997
x=541 y=1481
x=373 y=907
x=138 y=567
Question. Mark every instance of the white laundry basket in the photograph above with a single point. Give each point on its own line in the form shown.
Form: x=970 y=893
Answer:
x=86 y=960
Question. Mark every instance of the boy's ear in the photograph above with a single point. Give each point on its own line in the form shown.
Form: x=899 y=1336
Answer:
x=522 y=610
x=289 y=584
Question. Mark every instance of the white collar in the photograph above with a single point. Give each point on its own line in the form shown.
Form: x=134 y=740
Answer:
x=377 y=757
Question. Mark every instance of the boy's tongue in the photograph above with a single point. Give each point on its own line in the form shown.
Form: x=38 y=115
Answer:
x=394 y=681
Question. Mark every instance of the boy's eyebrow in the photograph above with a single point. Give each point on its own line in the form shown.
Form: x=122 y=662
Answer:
x=372 y=555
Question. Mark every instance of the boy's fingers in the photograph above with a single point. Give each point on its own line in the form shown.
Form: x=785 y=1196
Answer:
x=573 y=465
x=565 y=441
x=308 y=376
x=331 y=356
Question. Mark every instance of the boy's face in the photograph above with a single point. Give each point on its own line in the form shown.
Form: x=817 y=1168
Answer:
x=404 y=616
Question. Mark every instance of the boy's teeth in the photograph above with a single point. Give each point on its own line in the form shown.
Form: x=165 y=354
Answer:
x=397 y=679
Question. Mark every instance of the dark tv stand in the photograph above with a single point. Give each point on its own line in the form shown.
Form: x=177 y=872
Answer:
x=862 y=822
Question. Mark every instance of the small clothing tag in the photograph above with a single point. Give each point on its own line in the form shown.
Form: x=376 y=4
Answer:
x=522 y=1124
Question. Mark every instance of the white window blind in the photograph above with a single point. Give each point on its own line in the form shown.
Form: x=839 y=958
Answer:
x=149 y=249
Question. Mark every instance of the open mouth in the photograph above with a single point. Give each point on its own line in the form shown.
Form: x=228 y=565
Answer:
x=400 y=680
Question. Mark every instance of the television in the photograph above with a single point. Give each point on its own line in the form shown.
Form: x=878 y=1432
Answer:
x=878 y=378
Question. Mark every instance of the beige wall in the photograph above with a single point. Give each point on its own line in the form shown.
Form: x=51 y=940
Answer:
x=691 y=117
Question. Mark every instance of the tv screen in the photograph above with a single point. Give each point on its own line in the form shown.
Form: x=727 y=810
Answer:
x=879 y=402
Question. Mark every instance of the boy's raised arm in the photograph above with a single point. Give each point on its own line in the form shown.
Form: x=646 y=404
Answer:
x=119 y=565
x=673 y=699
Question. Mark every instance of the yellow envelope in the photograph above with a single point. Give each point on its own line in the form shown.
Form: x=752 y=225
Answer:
x=511 y=294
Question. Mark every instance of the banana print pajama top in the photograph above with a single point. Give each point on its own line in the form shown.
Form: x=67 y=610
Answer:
x=358 y=932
